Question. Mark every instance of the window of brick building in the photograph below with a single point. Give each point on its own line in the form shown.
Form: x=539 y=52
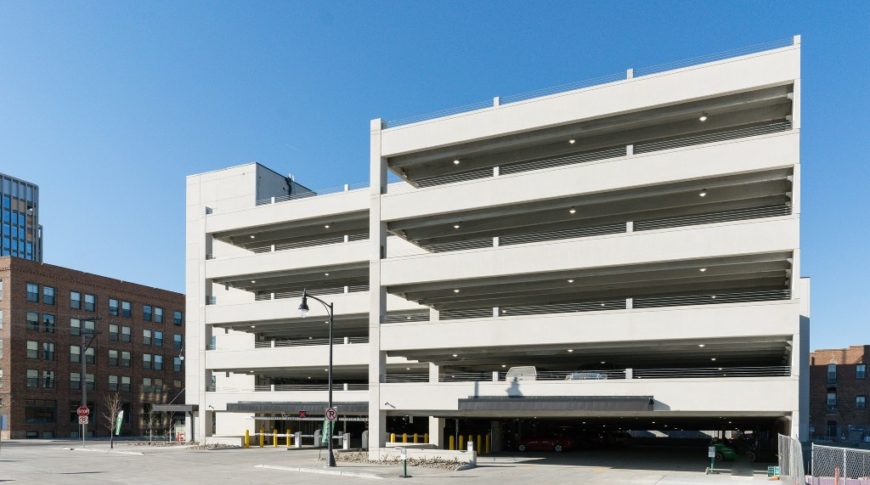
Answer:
x=75 y=326
x=33 y=321
x=158 y=338
x=125 y=334
x=32 y=349
x=177 y=317
x=113 y=383
x=48 y=350
x=48 y=323
x=831 y=399
x=113 y=358
x=861 y=371
x=32 y=379
x=125 y=384
x=832 y=372
x=48 y=379
x=75 y=353
x=158 y=362
x=146 y=337
x=861 y=402
x=147 y=312
x=125 y=359
x=48 y=294
x=113 y=307
x=32 y=293
x=146 y=361
x=113 y=332
x=75 y=300
x=176 y=364
x=90 y=303
x=40 y=411
x=158 y=315
x=177 y=342
x=126 y=309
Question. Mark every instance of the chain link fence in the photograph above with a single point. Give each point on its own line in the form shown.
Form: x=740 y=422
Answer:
x=791 y=461
x=832 y=465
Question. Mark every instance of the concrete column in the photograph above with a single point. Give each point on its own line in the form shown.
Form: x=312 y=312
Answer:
x=434 y=315
x=495 y=376
x=347 y=238
x=629 y=303
x=495 y=311
x=436 y=431
x=495 y=241
x=629 y=373
x=629 y=73
x=377 y=293
x=495 y=171
x=272 y=248
x=629 y=150
x=497 y=436
x=346 y=340
x=496 y=101
x=434 y=372
x=629 y=226
x=272 y=343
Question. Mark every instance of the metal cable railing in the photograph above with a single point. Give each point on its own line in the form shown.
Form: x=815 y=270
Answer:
x=620 y=304
x=477 y=243
x=691 y=61
x=304 y=194
x=596 y=81
x=455 y=177
x=714 y=217
x=712 y=298
x=585 y=306
x=467 y=313
x=562 y=234
x=713 y=137
x=572 y=159
x=604 y=374
x=709 y=372
x=319 y=291
x=265 y=344
x=406 y=317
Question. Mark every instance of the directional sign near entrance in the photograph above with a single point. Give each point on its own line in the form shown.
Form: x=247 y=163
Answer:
x=83 y=411
x=331 y=414
x=83 y=420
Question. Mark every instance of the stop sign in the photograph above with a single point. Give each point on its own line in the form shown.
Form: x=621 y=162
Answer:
x=83 y=411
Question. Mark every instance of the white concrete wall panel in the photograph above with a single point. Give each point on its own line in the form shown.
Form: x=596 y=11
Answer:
x=685 y=243
x=641 y=325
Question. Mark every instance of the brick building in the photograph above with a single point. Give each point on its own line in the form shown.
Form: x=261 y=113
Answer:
x=46 y=312
x=839 y=389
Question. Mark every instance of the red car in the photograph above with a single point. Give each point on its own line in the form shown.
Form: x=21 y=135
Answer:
x=548 y=443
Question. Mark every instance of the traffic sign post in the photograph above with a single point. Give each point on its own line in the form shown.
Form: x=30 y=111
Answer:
x=83 y=411
x=331 y=414
x=83 y=420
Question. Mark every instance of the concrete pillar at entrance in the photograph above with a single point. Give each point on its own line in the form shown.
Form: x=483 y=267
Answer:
x=436 y=431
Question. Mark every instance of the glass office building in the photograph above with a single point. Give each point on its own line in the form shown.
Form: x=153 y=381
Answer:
x=20 y=234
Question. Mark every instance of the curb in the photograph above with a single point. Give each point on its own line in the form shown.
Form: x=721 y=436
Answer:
x=113 y=452
x=341 y=473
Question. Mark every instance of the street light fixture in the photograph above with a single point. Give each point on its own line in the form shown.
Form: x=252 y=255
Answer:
x=303 y=310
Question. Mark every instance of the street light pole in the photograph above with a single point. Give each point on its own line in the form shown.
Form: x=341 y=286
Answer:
x=83 y=382
x=303 y=308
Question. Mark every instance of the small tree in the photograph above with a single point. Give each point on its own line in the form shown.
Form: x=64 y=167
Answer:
x=113 y=409
x=150 y=420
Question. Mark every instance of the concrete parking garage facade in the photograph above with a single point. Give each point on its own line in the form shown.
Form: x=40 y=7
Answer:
x=625 y=252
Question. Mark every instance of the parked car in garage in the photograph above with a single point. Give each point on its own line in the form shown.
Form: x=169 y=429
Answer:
x=545 y=443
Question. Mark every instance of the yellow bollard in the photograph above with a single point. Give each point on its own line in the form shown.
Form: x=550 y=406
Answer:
x=288 y=439
x=425 y=437
x=405 y=438
x=274 y=438
x=262 y=437
x=247 y=439
x=479 y=448
x=392 y=437
x=415 y=437
x=451 y=444
x=488 y=447
x=461 y=442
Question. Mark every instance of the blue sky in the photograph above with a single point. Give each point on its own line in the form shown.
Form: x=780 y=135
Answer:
x=109 y=105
